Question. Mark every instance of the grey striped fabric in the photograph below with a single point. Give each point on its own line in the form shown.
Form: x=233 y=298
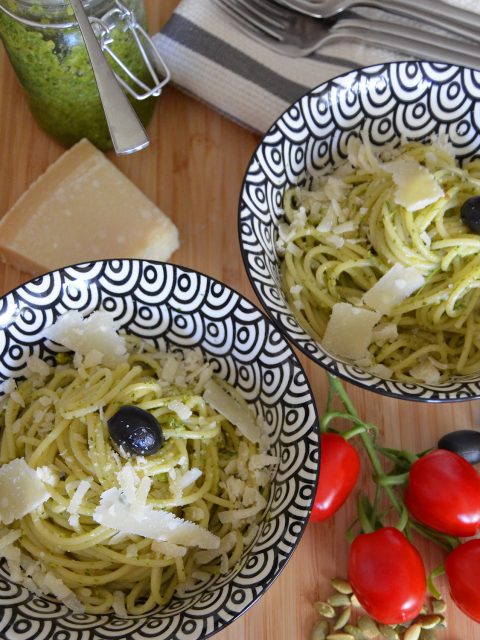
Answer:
x=210 y=59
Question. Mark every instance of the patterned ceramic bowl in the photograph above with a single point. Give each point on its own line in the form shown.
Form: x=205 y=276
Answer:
x=170 y=305
x=389 y=102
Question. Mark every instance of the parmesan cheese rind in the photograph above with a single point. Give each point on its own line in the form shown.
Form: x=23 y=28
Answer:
x=349 y=331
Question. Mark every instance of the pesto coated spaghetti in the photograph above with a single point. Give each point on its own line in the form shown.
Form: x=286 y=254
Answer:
x=346 y=230
x=207 y=474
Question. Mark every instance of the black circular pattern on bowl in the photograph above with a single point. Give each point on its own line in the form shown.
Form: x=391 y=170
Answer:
x=150 y=299
x=413 y=100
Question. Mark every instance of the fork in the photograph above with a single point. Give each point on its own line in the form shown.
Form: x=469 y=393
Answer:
x=434 y=12
x=296 y=35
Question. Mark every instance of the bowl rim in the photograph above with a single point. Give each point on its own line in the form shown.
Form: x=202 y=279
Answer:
x=315 y=427
x=332 y=369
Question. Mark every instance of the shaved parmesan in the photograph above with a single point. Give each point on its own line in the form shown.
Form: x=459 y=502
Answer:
x=36 y=365
x=95 y=333
x=169 y=549
x=416 y=186
x=113 y=512
x=9 y=538
x=349 y=331
x=393 y=287
x=233 y=411
x=134 y=490
x=256 y=503
x=52 y=584
x=427 y=372
x=181 y=409
x=188 y=478
x=80 y=491
x=118 y=604
x=21 y=490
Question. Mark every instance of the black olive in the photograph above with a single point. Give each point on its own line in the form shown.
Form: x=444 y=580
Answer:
x=470 y=213
x=136 y=430
x=465 y=442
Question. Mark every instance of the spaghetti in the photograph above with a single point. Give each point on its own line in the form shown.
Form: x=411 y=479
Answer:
x=345 y=230
x=207 y=474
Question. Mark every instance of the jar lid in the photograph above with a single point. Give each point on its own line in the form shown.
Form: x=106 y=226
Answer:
x=118 y=14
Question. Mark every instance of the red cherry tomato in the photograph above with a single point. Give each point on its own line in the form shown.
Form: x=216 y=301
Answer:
x=443 y=492
x=387 y=575
x=339 y=470
x=462 y=567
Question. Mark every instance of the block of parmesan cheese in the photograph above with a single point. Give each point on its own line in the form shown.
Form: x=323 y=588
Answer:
x=83 y=208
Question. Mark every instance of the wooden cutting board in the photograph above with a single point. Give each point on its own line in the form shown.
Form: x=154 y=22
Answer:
x=193 y=170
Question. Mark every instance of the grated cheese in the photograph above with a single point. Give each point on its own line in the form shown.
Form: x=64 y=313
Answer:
x=118 y=604
x=259 y=503
x=181 y=409
x=9 y=538
x=426 y=372
x=36 y=365
x=169 y=549
x=80 y=491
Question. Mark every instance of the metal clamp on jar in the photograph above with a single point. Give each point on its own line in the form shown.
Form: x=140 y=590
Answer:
x=48 y=53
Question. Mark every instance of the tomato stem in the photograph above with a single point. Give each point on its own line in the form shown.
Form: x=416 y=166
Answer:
x=389 y=481
x=367 y=441
x=369 y=516
x=431 y=584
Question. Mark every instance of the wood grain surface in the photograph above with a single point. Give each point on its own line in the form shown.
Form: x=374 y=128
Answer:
x=193 y=170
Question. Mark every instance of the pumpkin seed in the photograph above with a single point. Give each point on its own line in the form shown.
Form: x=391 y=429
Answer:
x=319 y=631
x=413 y=632
x=388 y=632
x=342 y=586
x=428 y=634
x=438 y=606
x=368 y=627
x=324 y=609
x=429 y=621
x=354 y=631
x=342 y=619
x=354 y=601
x=339 y=636
x=339 y=600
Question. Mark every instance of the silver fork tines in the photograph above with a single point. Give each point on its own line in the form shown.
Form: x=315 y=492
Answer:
x=294 y=34
x=461 y=22
x=270 y=19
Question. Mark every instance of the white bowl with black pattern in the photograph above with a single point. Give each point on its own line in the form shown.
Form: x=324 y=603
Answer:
x=390 y=102
x=171 y=305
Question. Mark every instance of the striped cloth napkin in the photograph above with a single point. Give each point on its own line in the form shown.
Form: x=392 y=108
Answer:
x=210 y=59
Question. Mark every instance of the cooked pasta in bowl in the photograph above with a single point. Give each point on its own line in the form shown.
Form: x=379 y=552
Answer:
x=359 y=225
x=158 y=435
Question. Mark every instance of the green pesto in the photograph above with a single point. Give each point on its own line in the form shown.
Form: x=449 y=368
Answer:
x=54 y=69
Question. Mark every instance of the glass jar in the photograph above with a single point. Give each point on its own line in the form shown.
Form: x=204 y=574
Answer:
x=46 y=49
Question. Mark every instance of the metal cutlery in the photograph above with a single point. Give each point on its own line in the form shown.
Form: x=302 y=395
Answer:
x=296 y=35
x=126 y=130
x=434 y=12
